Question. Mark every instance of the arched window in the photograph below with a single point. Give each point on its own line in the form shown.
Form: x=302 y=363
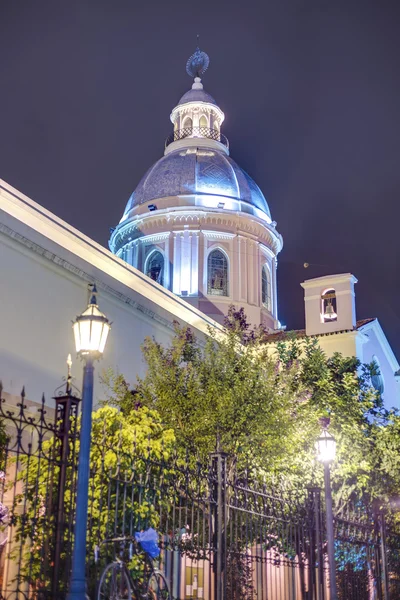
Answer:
x=187 y=123
x=376 y=377
x=328 y=306
x=155 y=267
x=203 y=121
x=217 y=274
x=266 y=294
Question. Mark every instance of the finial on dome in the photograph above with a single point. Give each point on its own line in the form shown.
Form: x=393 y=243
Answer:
x=198 y=63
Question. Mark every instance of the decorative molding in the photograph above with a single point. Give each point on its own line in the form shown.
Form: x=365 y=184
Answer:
x=64 y=264
x=154 y=237
x=265 y=250
x=218 y=235
x=166 y=221
x=329 y=280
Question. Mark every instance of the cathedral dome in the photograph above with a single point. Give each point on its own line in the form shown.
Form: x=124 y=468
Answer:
x=200 y=171
x=197 y=223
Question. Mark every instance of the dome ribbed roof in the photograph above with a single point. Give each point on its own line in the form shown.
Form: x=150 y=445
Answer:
x=195 y=95
x=198 y=171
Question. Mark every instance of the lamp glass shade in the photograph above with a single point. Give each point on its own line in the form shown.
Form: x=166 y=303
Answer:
x=326 y=447
x=91 y=330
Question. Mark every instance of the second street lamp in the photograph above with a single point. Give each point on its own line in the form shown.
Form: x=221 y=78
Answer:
x=326 y=453
x=91 y=330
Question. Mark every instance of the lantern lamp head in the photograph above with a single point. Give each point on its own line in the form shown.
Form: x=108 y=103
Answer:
x=326 y=446
x=91 y=329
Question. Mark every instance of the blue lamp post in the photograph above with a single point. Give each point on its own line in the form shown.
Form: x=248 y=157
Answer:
x=91 y=330
x=326 y=453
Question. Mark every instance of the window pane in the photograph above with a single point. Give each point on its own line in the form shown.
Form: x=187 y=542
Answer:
x=217 y=274
x=155 y=267
x=266 y=288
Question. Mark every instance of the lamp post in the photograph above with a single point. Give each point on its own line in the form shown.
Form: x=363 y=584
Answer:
x=91 y=330
x=326 y=452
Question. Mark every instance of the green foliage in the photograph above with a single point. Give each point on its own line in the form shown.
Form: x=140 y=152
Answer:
x=225 y=394
x=122 y=443
x=263 y=408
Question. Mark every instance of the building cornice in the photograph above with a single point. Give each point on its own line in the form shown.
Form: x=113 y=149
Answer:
x=219 y=235
x=196 y=142
x=198 y=219
x=329 y=280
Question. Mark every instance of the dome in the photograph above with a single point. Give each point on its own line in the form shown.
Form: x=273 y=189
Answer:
x=196 y=95
x=197 y=171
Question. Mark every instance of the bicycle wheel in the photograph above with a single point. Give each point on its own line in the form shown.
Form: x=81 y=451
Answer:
x=114 y=583
x=157 y=587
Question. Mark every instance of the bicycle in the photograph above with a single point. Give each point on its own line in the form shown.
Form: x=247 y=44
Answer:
x=116 y=581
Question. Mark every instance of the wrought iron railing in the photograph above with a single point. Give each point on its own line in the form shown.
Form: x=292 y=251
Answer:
x=197 y=132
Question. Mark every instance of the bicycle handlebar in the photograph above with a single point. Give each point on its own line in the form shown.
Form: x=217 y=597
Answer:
x=127 y=538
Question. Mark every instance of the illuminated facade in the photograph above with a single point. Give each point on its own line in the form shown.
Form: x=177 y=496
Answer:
x=195 y=237
x=197 y=223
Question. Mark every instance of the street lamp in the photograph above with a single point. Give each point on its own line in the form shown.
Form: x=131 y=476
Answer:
x=326 y=453
x=91 y=330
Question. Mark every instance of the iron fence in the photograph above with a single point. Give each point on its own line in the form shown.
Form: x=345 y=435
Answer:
x=222 y=536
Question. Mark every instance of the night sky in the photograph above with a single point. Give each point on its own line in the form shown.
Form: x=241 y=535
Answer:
x=311 y=94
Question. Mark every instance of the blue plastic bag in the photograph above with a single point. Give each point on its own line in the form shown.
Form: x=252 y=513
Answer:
x=149 y=541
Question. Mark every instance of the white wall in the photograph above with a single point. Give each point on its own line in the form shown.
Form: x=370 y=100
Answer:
x=376 y=345
x=38 y=302
x=46 y=266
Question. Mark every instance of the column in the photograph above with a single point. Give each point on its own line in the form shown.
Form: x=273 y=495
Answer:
x=167 y=263
x=194 y=288
x=185 y=261
x=274 y=266
x=243 y=254
x=129 y=258
x=205 y=274
x=177 y=264
x=250 y=271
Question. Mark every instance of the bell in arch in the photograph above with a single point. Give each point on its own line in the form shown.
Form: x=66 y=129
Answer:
x=329 y=311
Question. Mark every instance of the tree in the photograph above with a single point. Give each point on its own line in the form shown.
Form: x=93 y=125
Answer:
x=263 y=408
x=123 y=444
x=226 y=395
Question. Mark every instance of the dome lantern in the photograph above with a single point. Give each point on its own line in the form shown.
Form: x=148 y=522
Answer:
x=197 y=115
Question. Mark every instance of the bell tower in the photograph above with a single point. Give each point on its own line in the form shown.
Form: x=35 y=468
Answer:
x=330 y=303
